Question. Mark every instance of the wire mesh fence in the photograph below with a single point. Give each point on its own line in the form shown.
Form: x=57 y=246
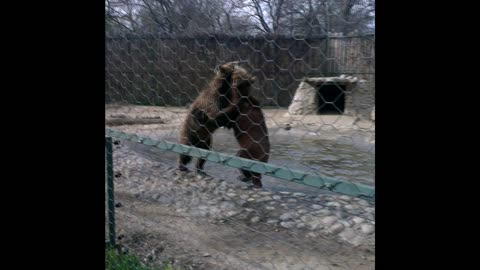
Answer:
x=242 y=136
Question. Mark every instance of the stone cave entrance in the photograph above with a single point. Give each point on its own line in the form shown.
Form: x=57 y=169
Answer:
x=331 y=99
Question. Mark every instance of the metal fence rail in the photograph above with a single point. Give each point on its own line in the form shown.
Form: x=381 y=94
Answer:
x=347 y=188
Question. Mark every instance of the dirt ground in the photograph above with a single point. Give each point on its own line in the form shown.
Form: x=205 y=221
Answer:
x=280 y=117
x=158 y=234
x=143 y=119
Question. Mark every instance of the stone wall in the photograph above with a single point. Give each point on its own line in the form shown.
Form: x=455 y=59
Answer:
x=359 y=96
x=360 y=101
x=305 y=100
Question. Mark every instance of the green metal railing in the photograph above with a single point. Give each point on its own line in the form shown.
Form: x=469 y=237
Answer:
x=356 y=190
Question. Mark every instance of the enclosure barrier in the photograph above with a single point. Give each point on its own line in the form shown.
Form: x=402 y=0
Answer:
x=330 y=184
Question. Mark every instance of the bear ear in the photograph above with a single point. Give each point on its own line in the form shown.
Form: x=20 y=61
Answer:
x=226 y=68
x=222 y=69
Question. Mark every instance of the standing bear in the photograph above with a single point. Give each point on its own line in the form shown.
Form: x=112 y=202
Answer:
x=226 y=102
x=215 y=107
x=251 y=133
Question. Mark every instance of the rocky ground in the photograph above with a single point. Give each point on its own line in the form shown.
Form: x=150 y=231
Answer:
x=201 y=222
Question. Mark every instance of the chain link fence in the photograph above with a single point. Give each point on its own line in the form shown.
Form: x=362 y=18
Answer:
x=277 y=97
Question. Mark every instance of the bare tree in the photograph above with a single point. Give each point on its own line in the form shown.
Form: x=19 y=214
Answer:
x=284 y=17
x=117 y=17
x=269 y=14
x=347 y=16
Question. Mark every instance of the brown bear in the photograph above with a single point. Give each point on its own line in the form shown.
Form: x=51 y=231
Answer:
x=215 y=107
x=251 y=133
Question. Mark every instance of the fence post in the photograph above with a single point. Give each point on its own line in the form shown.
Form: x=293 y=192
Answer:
x=110 y=195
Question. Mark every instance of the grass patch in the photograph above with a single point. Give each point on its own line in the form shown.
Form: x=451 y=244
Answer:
x=115 y=261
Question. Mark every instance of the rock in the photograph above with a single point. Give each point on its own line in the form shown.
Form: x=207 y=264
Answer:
x=306 y=218
x=299 y=194
x=363 y=203
x=291 y=200
x=347 y=234
x=317 y=207
x=231 y=195
x=301 y=225
x=345 y=198
x=322 y=212
x=315 y=224
x=270 y=208
x=212 y=202
x=251 y=199
x=285 y=192
x=272 y=221
x=336 y=228
x=227 y=205
x=346 y=223
x=340 y=214
x=255 y=219
x=265 y=193
x=287 y=224
x=367 y=228
x=244 y=196
x=288 y=216
x=329 y=220
x=302 y=211
x=357 y=240
x=358 y=220
x=350 y=207
x=276 y=197
x=333 y=204
x=206 y=255
x=230 y=214
x=200 y=213
x=264 y=199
